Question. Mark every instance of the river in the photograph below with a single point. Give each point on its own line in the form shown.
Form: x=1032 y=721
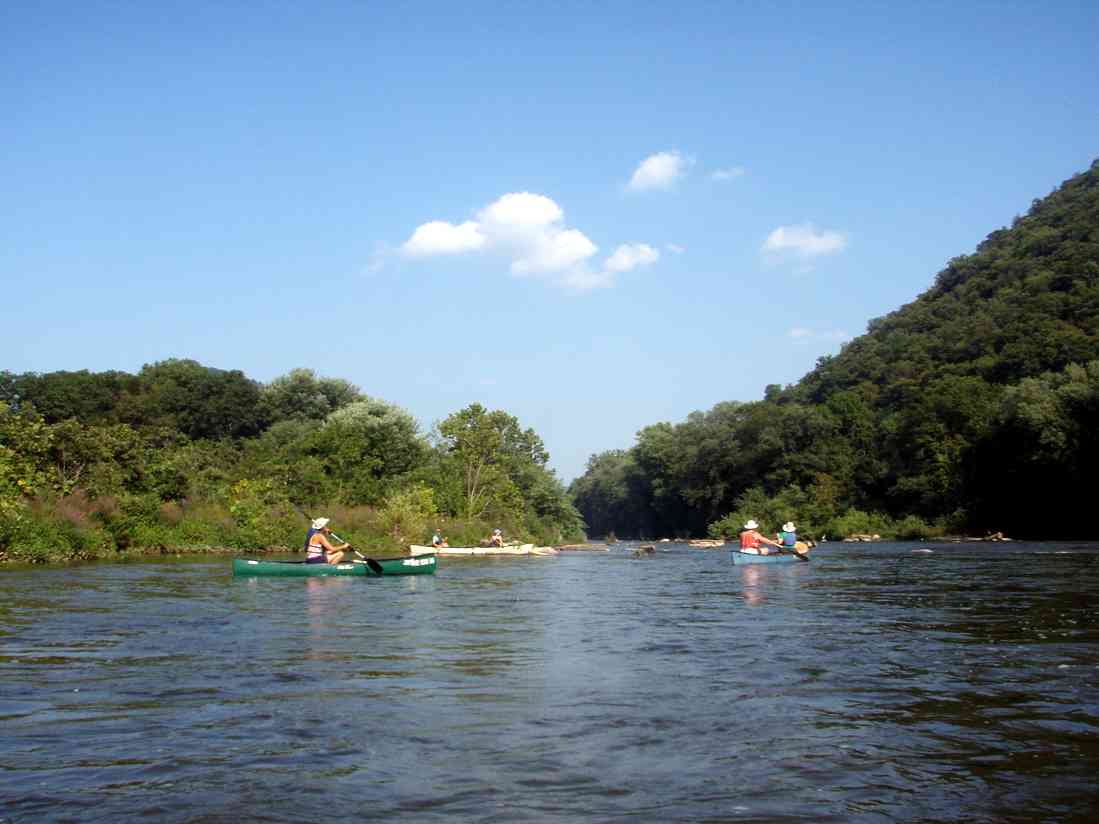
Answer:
x=878 y=683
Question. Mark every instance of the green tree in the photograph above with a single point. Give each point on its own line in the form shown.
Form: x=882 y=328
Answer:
x=612 y=496
x=302 y=395
x=408 y=514
x=367 y=447
x=1033 y=473
x=89 y=397
x=24 y=450
x=102 y=460
x=488 y=451
x=198 y=401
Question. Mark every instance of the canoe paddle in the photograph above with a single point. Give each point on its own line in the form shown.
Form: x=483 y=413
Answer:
x=370 y=562
x=799 y=555
x=784 y=550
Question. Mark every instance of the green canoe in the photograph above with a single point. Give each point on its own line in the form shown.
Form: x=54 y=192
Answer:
x=419 y=565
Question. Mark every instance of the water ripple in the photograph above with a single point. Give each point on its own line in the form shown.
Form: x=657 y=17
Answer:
x=874 y=684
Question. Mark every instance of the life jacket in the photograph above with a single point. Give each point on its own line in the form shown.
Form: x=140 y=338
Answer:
x=789 y=539
x=314 y=550
x=749 y=539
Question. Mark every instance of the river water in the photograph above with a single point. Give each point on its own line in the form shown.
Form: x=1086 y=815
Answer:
x=879 y=682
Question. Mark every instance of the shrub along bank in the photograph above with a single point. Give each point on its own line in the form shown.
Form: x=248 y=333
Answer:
x=169 y=461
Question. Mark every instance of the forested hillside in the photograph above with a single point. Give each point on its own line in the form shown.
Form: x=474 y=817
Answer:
x=183 y=455
x=973 y=408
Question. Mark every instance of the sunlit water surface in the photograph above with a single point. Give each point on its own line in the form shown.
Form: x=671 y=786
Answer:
x=877 y=683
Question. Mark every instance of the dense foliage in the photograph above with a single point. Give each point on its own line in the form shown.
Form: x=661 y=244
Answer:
x=972 y=408
x=182 y=455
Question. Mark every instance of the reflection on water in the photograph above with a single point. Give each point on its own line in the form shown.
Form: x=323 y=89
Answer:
x=875 y=683
x=753 y=594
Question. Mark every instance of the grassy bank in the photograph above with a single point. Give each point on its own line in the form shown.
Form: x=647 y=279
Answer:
x=76 y=528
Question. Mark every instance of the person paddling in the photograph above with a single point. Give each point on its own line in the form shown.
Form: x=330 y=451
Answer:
x=788 y=537
x=317 y=546
x=753 y=542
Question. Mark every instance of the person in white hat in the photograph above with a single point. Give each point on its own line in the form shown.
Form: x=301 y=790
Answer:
x=788 y=537
x=317 y=546
x=754 y=542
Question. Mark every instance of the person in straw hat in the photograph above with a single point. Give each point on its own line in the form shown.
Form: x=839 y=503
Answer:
x=754 y=542
x=317 y=546
x=788 y=537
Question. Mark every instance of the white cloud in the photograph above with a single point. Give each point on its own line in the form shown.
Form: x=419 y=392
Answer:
x=584 y=279
x=629 y=256
x=803 y=335
x=530 y=230
x=554 y=251
x=803 y=242
x=521 y=211
x=441 y=238
x=659 y=171
x=731 y=173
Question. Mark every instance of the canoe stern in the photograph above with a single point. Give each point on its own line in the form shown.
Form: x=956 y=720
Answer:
x=750 y=558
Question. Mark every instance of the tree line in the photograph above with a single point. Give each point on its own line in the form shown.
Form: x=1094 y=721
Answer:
x=974 y=408
x=184 y=455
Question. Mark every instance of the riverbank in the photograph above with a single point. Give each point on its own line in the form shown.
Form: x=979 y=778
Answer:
x=128 y=554
x=161 y=551
x=77 y=529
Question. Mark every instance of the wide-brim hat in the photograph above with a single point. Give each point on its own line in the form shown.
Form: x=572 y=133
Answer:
x=320 y=523
x=751 y=524
x=788 y=526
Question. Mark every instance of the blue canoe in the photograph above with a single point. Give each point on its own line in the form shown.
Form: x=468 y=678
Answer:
x=774 y=558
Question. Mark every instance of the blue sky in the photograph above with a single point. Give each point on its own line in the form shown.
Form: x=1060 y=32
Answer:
x=595 y=217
